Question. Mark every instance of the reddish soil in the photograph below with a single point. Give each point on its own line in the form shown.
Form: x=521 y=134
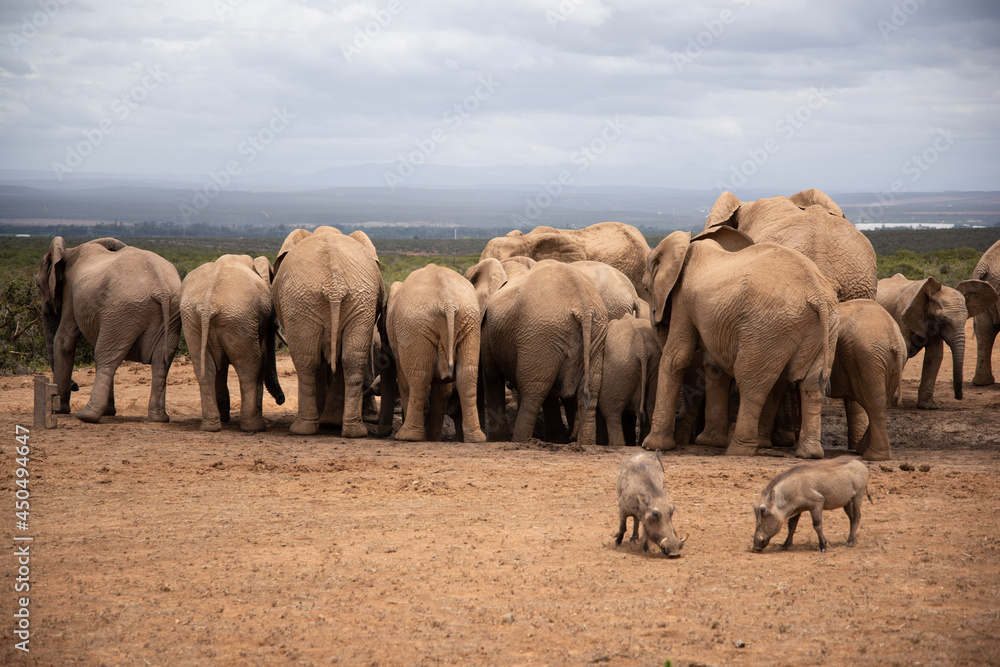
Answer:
x=160 y=544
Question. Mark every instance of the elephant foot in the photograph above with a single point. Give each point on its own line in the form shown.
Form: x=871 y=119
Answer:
x=89 y=415
x=928 y=404
x=211 y=426
x=657 y=442
x=475 y=436
x=740 y=449
x=984 y=380
x=158 y=416
x=354 y=430
x=872 y=454
x=410 y=434
x=110 y=411
x=253 y=424
x=304 y=427
x=808 y=450
x=712 y=439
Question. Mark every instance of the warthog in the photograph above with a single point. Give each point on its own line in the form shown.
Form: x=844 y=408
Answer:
x=814 y=486
x=641 y=495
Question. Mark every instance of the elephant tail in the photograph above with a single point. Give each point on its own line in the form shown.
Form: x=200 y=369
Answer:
x=335 y=295
x=644 y=370
x=819 y=304
x=894 y=375
x=586 y=323
x=449 y=314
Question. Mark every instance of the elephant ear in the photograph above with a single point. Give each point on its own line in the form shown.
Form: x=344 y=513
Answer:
x=486 y=277
x=729 y=238
x=979 y=296
x=663 y=268
x=53 y=266
x=724 y=208
x=363 y=239
x=293 y=238
x=915 y=313
x=262 y=265
x=556 y=246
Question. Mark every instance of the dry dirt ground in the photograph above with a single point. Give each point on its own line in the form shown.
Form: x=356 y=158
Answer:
x=159 y=544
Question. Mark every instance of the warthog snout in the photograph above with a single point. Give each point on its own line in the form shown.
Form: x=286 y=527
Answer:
x=672 y=550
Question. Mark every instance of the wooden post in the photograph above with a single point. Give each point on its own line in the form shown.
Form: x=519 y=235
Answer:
x=45 y=396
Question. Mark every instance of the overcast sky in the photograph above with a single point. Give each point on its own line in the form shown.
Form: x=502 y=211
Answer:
x=852 y=95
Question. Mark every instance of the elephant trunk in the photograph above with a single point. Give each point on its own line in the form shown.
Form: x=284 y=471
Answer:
x=270 y=364
x=957 y=345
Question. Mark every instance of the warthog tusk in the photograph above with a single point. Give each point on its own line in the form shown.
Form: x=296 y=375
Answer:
x=685 y=538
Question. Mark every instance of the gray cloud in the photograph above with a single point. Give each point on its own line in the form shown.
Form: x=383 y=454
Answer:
x=700 y=86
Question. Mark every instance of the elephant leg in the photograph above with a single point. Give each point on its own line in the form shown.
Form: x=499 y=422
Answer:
x=532 y=394
x=809 y=445
x=874 y=444
x=675 y=360
x=306 y=420
x=208 y=384
x=251 y=397
x=63 y=356
x=465 y=383
x=157 y=410
x=356 y=351
x=857 y=424
x=495 y=399
x=418 y=383
x=571 y=408
x=986 y=334
x=434 y=426
x=612 y=423
x=716 y=433
x=108 y=356
x=933 y=353
x=752 y=400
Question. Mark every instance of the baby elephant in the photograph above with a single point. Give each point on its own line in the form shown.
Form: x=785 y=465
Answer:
x=641 y=496
x=815 y=486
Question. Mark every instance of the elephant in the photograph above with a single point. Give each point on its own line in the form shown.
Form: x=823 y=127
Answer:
x=813 y=224
x=328 y=292
x=125 y=301
x=616 y=290
x=615 y=243
x=867 y=369
x=929 y=315
x=543 y=331
x=432 y=326
x=763 y=313
x=628 y=382
x=987 y=323
x=228 y=318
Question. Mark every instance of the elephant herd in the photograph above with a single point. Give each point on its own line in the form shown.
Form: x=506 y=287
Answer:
x=771 y=309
